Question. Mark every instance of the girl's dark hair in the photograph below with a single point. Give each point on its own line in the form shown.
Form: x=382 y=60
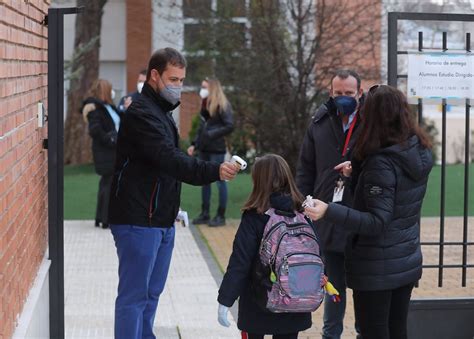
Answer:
x=386 y=121
x=164 y=57
x=271 y=174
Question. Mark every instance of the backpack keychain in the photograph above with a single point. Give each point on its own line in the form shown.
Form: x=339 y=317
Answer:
x=332 y=292
x=330 y=289
x=273 y=277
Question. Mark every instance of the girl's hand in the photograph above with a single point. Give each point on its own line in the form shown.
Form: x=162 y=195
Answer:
x=345 y=168
x=222 y=312
x=318 y=211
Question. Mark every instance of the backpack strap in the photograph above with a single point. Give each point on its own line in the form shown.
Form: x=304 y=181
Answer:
x=271 y=212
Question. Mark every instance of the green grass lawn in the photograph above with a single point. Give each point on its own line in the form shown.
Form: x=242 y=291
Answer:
x=81 y=183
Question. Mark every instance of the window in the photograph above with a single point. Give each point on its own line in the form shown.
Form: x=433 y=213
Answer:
x=196 y=37
x=199 y=9
x=199 y=67
x=230 y=33
x=231 y=8
x=215 y=31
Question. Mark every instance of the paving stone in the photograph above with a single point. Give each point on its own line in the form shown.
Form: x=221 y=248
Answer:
x=220 y=240
x=188 y=306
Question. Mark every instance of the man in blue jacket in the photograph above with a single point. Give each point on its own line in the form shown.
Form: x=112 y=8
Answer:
x=145 y=195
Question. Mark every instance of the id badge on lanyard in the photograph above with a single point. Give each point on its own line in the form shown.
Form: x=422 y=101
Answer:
x=339 y=189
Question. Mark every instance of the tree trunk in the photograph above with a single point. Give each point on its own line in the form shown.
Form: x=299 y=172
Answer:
x=84 y=71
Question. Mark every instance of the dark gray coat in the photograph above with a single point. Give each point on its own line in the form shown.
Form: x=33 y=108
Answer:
x=210 y=137
x=320 y=153
x=104 y=136
x=383 y=251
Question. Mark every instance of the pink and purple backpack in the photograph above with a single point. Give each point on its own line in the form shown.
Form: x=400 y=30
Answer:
x=289 y=271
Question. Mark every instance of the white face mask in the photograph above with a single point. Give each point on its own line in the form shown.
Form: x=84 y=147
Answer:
x=140 y=86
x=204 y=93
x=112 y=94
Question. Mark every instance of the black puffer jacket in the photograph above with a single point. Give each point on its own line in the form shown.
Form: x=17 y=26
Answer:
x=150 y=166
x=237 y=280
x=103 y=133
x=384 y=249
x=212 y=130
x=320 y=153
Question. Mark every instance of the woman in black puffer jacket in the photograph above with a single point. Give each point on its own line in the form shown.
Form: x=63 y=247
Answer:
x=103 y=121
x=383 y=254
x=216 y=123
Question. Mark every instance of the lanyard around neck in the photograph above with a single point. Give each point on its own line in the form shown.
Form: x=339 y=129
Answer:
x=349 y=134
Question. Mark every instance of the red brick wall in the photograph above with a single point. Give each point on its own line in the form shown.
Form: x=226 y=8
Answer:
x=139 y=35
x=351 y=39
x=23 y=163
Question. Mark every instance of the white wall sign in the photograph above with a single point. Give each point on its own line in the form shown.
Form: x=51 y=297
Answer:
x=440 y=75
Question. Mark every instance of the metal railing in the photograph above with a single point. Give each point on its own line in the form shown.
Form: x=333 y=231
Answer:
x=393 y=77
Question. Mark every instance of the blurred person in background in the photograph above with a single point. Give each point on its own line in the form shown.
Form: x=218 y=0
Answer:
x=216 y=123
x=126 y=100
x=103 y=121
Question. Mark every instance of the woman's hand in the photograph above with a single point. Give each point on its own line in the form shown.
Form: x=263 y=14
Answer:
x=318 y=211
x=191 y=150
x=345 y=168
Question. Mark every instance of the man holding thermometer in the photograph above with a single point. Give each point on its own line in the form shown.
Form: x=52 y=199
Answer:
x=145 y=194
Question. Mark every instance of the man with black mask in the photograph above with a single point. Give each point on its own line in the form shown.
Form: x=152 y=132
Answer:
x=145 y=193
x=327 y=143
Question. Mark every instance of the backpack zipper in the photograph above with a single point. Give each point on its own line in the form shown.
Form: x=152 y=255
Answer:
x=270 y=232
x=285 y=259
x=274 y=228
x=273 y=258
x=282 y=290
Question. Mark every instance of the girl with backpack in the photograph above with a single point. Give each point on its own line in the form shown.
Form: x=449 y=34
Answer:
x=274 y=197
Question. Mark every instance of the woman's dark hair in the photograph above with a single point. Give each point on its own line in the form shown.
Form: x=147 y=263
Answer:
x=386 y=121
x=162 y=57
x=271 y=174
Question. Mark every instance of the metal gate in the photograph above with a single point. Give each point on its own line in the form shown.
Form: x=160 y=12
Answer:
x=55 y=145
x=443 y=318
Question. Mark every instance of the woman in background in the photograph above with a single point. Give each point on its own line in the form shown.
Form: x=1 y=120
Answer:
x=103 y=121
x=216 y=123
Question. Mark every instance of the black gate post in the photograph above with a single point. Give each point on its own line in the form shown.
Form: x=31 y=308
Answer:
x=55 y=21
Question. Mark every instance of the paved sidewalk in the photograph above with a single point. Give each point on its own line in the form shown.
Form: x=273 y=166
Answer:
x=188 y=305
x=220 y=241
x=187 y=308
